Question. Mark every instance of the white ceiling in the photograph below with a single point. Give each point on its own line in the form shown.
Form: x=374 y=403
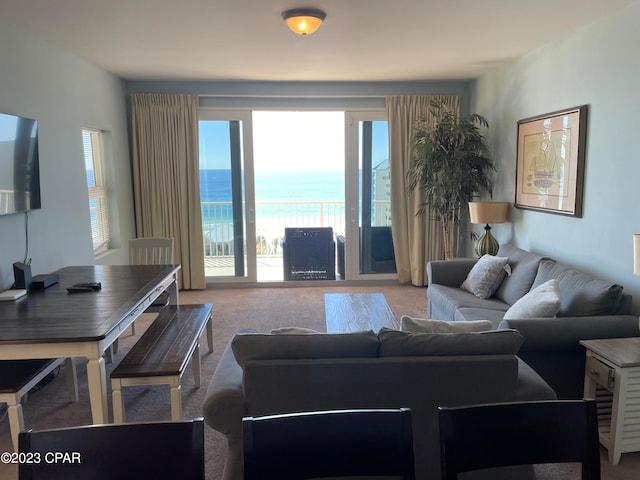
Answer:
x=361 y=40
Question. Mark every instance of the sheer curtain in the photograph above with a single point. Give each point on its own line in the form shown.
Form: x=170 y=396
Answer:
x=166 y=177
x=417 y=239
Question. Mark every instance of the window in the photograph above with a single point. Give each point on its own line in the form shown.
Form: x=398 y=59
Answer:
x=92 y=142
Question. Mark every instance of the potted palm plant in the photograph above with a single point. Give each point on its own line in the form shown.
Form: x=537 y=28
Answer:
x=451 y=167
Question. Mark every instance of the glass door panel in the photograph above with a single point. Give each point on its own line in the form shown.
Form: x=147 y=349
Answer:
x=299 y=181
x=224 y=199
x=376 y=244
x=369 y=246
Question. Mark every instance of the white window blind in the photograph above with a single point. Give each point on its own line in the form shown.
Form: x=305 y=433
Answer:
x=93 y=161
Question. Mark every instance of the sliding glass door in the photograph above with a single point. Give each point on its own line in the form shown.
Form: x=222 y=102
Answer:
x=226 y=195
x=369 y=245
x=265 y=171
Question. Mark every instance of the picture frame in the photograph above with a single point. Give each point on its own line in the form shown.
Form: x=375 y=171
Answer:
x=550 y=162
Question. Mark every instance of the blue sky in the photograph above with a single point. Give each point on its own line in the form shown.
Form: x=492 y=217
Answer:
x=288 y=141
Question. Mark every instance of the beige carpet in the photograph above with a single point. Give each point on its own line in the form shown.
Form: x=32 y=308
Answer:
x=261 y=309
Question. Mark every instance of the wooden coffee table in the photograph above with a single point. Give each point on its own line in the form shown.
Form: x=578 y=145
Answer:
x=355 y=312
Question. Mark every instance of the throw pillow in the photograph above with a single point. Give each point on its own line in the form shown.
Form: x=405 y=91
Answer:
x=524 y=266
x=486 y=275
x=293 y=331
x=394 y=343
x=423 y=325
x=541 y=302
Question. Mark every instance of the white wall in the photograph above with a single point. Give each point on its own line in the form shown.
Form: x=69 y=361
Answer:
x=599 y=66
x=65 y=94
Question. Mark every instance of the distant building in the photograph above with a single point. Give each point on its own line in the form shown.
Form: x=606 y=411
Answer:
x=381 y=188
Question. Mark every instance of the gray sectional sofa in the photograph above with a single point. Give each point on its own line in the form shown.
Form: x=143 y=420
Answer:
x=589 y=308
x=261 y=374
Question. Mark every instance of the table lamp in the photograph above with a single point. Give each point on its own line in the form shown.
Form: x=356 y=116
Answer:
x=487 y=212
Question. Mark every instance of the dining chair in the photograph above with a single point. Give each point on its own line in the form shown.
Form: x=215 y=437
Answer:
x=336 y=443
x=19 y=377
x=151 y=251
x=128 y=451
x=521 y=433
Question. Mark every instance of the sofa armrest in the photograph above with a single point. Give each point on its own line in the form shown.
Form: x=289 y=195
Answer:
x=224 y=404
x=450 y=273
x=564 y=333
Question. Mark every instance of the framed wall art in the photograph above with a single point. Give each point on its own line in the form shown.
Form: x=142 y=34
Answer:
x=551 y=155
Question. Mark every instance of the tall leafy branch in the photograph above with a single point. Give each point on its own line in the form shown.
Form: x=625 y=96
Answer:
x=451 y=167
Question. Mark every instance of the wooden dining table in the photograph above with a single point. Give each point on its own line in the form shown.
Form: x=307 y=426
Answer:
x=53 y=323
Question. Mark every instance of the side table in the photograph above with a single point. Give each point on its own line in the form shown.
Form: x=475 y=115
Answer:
x=613 y=368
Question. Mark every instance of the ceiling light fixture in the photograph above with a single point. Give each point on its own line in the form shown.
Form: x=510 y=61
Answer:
x=304 y=21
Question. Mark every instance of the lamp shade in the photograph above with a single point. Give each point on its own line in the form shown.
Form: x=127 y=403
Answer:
x=488 y=212
x=304 y=21
x=636 y=254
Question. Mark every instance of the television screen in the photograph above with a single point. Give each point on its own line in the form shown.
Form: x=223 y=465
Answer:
x=19 y=164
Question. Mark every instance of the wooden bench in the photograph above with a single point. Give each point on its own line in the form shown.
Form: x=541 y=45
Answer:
x=162 y=353
x=17 y=377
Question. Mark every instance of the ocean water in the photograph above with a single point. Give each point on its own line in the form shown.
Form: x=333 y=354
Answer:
x=322 y=186
x=272 y=188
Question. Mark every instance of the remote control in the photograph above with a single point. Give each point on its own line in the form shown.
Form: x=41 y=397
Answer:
x=79 y=289
x=91 y=285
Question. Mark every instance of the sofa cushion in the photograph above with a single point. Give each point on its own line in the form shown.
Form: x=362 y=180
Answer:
x=446 y=300
x=486 y=276
x=423 y=325
x=265 y=346
x=541 y=302
x=394 y=343
x=466 y=314
x=524 y=267
x=580 y=294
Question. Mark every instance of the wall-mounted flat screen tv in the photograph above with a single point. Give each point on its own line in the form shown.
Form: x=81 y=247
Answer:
x=19 y=165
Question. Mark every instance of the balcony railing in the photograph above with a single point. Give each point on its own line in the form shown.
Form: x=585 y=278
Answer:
x=271 y=219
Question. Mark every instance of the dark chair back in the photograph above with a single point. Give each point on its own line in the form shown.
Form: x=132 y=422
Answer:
x=376 y=250
x=158 y=451
x=339 y=443
x=521 y=433
x=309 y=253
